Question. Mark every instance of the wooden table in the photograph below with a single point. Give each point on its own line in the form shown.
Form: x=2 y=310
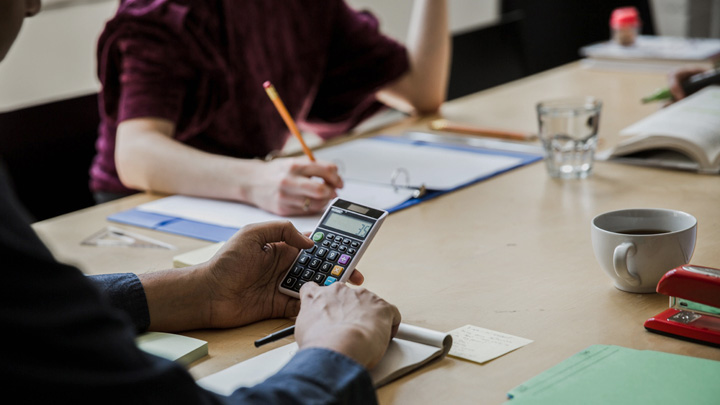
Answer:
x=511 y=254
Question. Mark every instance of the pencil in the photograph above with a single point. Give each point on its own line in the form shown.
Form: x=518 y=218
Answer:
x=445 y=125
x=272 y=93
x=276 y=336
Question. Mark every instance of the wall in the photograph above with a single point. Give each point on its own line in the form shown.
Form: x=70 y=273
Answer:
x=54 y=55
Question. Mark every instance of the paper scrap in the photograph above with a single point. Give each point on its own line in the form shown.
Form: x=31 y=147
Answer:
x=482 y=345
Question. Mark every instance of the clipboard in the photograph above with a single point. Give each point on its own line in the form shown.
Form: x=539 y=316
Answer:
x=378 y=171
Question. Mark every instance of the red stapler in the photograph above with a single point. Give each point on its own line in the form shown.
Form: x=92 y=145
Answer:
x=694 y=312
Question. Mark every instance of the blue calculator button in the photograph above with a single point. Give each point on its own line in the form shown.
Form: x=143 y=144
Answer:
x=330 y=280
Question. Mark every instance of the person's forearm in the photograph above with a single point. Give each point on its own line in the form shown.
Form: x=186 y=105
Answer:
x=428 y=45
x=177 y=299
x=149 y=159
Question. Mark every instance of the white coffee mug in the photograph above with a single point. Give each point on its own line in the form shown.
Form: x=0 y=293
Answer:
x=636 y=247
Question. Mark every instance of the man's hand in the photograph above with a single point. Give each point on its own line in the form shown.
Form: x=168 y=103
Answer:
x=677 y=77
x=351 y=321
x=238 y=286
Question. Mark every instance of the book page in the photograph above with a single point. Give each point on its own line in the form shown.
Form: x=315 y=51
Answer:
x=692 y=123
x=401 y=357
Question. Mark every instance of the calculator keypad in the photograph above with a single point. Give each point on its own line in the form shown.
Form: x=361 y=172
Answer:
x=324 y=263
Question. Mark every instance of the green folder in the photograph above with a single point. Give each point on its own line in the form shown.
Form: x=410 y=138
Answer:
x=617 y=375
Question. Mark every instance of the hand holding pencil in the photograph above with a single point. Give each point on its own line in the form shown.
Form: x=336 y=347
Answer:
x=298 y=193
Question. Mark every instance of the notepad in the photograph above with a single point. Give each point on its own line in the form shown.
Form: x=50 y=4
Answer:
x=614 y=375
x=482 y=345
x=196 y=256
x=411 y=348
x=178 y=348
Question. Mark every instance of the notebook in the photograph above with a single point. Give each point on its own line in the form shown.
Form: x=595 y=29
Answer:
x=412 y=348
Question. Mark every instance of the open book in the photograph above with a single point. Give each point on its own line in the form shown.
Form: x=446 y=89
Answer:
x=411 y=348
x=684 y=135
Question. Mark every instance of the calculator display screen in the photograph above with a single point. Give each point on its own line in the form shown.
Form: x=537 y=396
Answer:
x=348 y=224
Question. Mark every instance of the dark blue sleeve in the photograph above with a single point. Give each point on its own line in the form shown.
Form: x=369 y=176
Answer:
x=126 y=293
x=315 y=376
x=66 y=341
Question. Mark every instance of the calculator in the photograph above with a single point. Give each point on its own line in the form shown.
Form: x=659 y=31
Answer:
x=341 y=237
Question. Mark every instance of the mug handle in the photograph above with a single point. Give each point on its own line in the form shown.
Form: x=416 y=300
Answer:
x=620 y=256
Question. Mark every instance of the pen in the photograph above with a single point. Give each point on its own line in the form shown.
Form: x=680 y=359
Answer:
x=272 y=93
x=689 y=86
x=289 y=331
x=445 y=125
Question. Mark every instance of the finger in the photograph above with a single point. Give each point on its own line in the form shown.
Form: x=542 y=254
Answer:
x=279 y=231
x=307 y=291
x=396 y=319
x=324 y=170
x=356 y=278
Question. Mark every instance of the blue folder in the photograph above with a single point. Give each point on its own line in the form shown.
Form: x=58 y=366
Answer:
x=218 y=233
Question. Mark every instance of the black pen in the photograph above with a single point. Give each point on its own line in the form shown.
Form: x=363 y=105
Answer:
x=275 y=336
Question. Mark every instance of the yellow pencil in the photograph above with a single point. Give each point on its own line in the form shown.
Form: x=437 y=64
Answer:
x=444 y=125
x=272 y=93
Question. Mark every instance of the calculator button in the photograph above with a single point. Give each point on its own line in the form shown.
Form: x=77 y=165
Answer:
x=330 y=236
x=355 y=244
x=338 y=239
x=299 y=284
x=289 y=282
x=304 y=259
x=332 y=256
x=326 y=267
x=311 y=250
x=343 y=248
x=319 y=278
x=297 y=271
x=321 y=252
x=326 y=243
x=344 y=259
x=334 y=245
x=314 y=263
x=337 y=271
x=308 y=274
x=318 y=236
x=330 y=280
x=351 y=251
x=346 y=241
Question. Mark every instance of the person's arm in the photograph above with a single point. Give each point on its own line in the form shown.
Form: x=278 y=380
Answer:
x=148 y=158
x=424 y=87
x=238 y=286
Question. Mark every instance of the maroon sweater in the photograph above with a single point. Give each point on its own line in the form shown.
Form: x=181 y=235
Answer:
x=202 y=63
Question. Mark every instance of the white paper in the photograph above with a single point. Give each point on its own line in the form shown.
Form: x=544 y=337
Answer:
x=482 y=345
x=223 y=213
x=375 y=161
x=367 y=167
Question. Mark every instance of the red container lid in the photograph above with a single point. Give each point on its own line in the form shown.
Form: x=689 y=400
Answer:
x=624 y=17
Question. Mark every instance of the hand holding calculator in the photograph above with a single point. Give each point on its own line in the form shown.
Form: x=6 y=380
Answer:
x=341 y=237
